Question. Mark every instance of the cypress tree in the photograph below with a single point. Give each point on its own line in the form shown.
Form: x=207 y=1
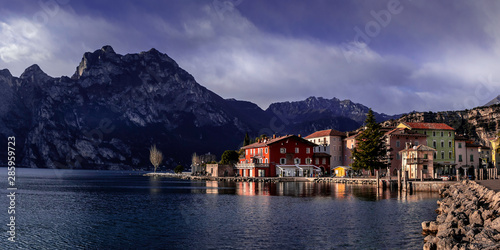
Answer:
x=246 y=141
x=370 y=151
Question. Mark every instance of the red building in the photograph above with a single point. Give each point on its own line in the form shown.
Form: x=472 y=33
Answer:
x=282 y=156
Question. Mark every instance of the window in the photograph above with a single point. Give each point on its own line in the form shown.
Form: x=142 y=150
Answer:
x=324 y=161
x=425 y=167
x=442 y=133
x=296 y=150
x=283 y=161
x=283 y=150
x=449 y=134
x=449 y=144
x=442 y=144
x=247 y=152
x=266 y=150
x=416 y=142
x=433 y=133
x=266 y=161
x=459 y=145
x=471 y=158
x=308 y=161
x=317 y=161
x=434 y=144
x=398 y=156
x=296 y=160
x=308 y=150
x=442 y=154
x=450 y=155
x=260 y=151
x=459 y=158
x=398 y=144
x=425 y=156
x=435 y=155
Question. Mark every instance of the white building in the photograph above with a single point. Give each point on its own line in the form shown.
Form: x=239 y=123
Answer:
x=329 y=141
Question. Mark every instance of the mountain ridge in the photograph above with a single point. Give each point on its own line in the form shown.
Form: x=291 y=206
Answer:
x=114 y=107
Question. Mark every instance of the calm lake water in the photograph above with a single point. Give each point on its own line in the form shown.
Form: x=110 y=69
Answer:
x=82 y=209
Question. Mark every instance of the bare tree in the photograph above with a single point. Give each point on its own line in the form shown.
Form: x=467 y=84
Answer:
x=155 y=156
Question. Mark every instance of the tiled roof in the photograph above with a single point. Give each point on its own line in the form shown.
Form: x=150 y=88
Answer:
x=401 y=131
x=323 y=133
x=428 y=125
x=419 y=148
x=274 y=140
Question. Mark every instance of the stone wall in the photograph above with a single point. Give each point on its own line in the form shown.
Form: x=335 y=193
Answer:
x=468 y=218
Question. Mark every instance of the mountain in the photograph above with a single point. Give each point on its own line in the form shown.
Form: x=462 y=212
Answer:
x=480 y=124
x=495 y=100
x=112 y=110
x=317 y=113
x=115 y=107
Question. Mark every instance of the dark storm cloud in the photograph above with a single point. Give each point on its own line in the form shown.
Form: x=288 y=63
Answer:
x=394 y=56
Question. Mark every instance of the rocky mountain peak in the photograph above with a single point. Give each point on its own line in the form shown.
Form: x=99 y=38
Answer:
x=5 y=73
x=35 y=74
x=495 y=100
x=108 y=49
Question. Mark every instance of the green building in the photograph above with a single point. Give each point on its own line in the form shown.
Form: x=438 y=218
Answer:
x=440 y=137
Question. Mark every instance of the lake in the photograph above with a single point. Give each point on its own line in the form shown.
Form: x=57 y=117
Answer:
x=85 y=209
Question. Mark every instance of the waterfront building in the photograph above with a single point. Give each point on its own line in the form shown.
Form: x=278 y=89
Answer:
x=473 y=159
x=220 y=170
x=341 y=171
x=328 y=141
x=495 y=146
x=396 y=140
x=349 y=144
x=289 y=155
x=485 y=156
x=461 y=153
x=440 y=137
x=418 y=161
x=198 y=163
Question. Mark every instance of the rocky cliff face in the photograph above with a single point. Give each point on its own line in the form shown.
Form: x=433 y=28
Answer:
x=112 y=110
x=115 y=107
x=481 y=123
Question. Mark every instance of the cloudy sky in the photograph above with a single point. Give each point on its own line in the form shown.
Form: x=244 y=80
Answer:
x=393 y=56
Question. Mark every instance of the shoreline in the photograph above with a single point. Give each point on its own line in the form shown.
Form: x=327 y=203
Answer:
x=412 y=186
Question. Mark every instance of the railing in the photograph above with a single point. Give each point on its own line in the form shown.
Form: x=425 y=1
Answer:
x=251 y=165
x=416 y=160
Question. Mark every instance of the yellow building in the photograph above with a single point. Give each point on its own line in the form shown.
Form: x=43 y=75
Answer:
x=495 y=144
x=342 y=171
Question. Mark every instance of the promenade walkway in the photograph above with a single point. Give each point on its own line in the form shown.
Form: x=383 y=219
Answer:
x=490 y=184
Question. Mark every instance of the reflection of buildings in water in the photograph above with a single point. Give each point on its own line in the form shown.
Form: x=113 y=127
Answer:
x=212 y=187
x=252 y=188
x=417 y=196
x=340 y=191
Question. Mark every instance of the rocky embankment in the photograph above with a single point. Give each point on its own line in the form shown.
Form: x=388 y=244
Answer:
x=468 y=218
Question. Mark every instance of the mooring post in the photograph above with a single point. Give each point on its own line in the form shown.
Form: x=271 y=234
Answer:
x=405 y=177
x=378 y=180
x=458 y=176
x=421 y=175
x=399 y=180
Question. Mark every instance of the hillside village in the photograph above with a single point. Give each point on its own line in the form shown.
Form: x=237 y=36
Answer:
x=424 y=150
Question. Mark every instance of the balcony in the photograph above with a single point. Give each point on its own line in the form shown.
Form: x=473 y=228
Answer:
x=417 y=160
x=251 y=165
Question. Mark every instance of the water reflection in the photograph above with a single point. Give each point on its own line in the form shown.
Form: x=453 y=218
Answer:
x=339 y=191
